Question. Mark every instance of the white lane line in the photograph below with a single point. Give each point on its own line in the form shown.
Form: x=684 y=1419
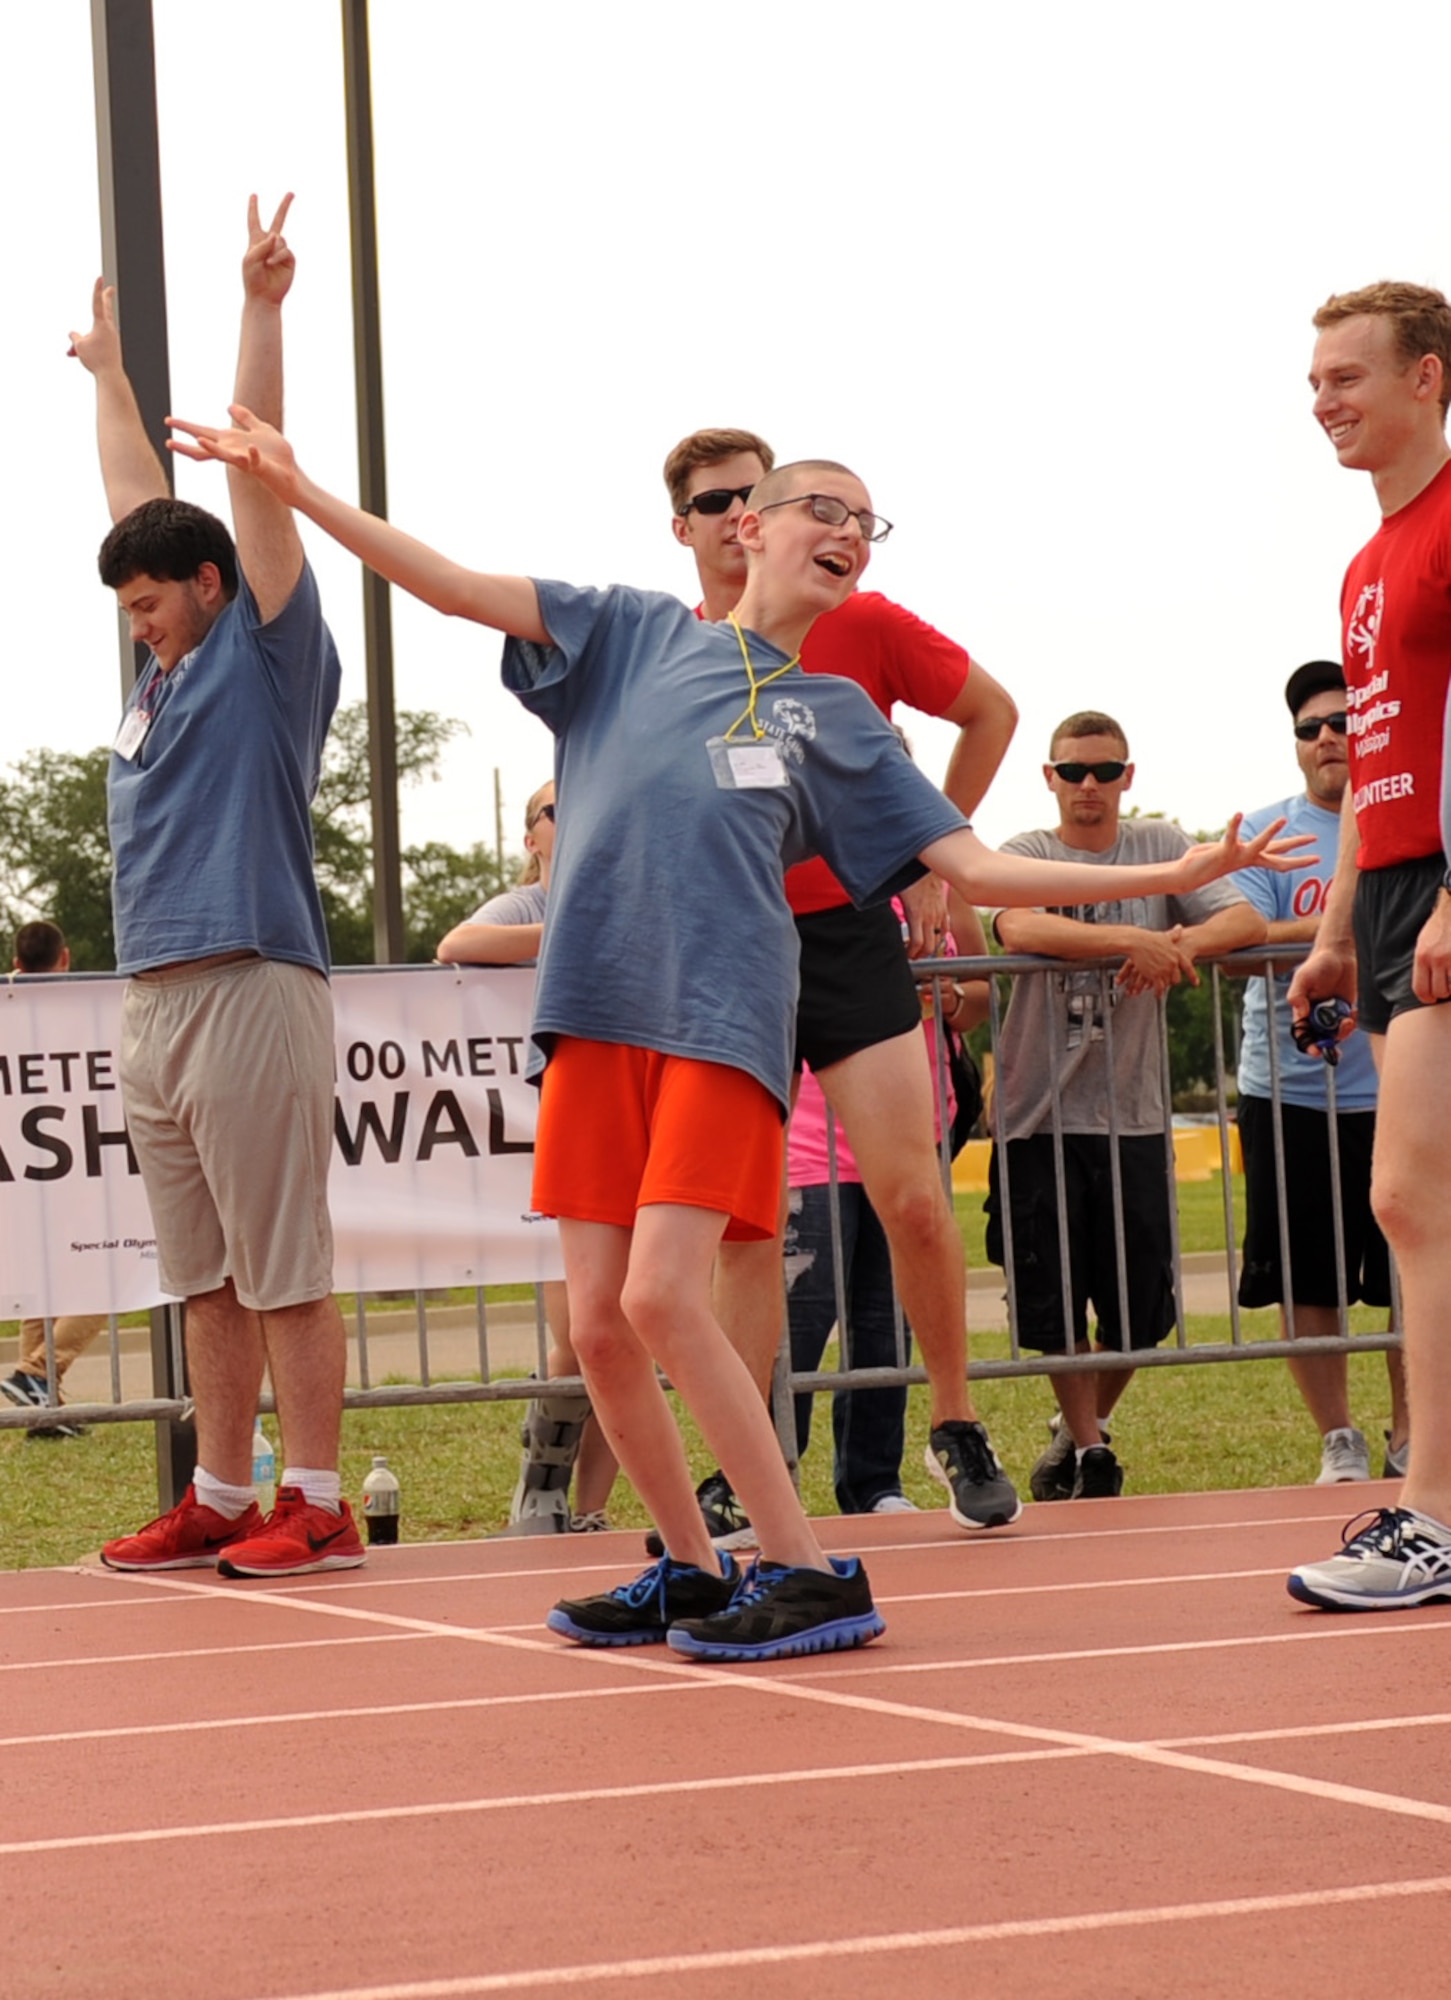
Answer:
x=288 y=1716
x=1360 y=1727
x=206 y=1652
x=529 y=1801
x=1404 y=1626
x=835 y=1948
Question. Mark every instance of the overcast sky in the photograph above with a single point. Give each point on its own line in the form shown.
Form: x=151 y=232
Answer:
x=1043 y=275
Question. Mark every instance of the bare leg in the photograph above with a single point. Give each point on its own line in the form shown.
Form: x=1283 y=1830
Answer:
x=883 y=1097
x=225 y=1359
x=750 y=1292
x=1322 y=1379
x=667 y=1300
x=1411 y=1195
x=595 y=1465
x=1078 y=1400
x=307 y=1355
x=627 y=1397
x=1110 y=1384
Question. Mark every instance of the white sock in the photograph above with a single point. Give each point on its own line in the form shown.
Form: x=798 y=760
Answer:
x=229 y=1501
x=319 y=1488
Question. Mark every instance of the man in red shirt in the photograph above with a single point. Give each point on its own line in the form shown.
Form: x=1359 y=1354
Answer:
x=1382 y=381
x=859 y=1019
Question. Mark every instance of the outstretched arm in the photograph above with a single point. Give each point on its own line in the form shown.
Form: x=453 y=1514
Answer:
x=269 y=547
x=508 y=603
x=130 y=468
x=985 y=876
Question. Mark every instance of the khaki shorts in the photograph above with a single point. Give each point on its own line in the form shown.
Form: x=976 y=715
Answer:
x=227 y=1082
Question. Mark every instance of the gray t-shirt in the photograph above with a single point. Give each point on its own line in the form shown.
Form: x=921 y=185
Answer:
x=669 y=927
x=523 y=904
x=1068 y=1005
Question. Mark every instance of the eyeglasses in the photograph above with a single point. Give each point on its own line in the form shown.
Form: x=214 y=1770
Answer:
x=716 y=500
x=544 y=812
x=835 y=514
x=1308 y=731
x=1107 y=773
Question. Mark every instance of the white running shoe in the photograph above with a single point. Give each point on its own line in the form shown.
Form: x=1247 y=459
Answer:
x=1344 y=1457
x=1400 y=1559
x=894 y=1503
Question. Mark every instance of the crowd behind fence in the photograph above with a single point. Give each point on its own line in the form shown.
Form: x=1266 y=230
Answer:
x=505 y=1343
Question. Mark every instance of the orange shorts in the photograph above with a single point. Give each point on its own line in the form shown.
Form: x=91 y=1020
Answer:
x=622 y=1127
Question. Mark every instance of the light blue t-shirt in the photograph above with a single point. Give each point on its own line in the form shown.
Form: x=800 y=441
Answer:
x=210 y=828
x=668 y=922
x=1279 y=899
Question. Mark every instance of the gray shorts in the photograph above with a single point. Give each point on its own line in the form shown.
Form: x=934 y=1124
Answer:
x=227 y=1081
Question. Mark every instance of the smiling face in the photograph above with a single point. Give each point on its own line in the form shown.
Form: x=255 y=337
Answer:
x=1323 y=760
x=824 y=562
x=719 y=558
x=1372 y=404
x=172 y=616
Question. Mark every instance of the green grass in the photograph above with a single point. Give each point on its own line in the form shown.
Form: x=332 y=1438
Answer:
x=1186 y=1429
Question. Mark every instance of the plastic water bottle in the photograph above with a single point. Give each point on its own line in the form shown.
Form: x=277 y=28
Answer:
x=264 y=1469
x=380 y=1503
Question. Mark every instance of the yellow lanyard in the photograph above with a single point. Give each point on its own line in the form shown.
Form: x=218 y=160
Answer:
x=748 y=713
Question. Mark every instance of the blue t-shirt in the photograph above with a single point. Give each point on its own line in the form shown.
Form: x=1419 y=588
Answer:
x=210 y=828
x=668 y=922
x=1279 y=899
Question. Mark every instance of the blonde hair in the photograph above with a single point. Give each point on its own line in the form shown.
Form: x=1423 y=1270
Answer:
x=1420 y=321
x=530 y=872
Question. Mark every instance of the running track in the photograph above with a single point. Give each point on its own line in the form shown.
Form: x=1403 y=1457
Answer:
x=1101 y=1753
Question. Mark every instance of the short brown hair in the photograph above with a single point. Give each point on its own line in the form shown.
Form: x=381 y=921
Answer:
x=709 y=448
x=39 y=946
x=1420 y=321
x=1088 y=722
x=773 y=486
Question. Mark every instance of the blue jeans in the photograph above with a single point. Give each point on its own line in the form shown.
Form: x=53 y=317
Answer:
x=867 y=1424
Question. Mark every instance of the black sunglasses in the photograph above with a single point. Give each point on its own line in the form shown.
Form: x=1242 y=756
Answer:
x=716 y=500
x=1106 y=772
x=544 y=812
x=1308 y=731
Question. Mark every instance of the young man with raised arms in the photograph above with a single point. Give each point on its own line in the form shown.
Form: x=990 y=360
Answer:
x=227 y=1033
x=858 y=1022
x=666 y=1076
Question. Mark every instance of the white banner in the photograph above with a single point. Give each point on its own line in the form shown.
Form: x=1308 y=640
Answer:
x=432 y=1158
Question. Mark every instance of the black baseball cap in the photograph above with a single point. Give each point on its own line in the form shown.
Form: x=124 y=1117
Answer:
x=1313 y=678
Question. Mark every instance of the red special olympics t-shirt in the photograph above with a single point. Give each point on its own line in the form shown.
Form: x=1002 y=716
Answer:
x=1395 y=607
x=895 y=657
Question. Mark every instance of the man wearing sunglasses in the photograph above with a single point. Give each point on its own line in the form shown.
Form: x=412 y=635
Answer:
x=1381 y=376
x=1315 y=696
x=1087 y=1041
x=859 y=1016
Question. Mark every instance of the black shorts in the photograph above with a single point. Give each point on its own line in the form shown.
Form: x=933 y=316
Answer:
x=1391 y=905
x=1093 y=1262
x=1307 y=1199
x=857 y=987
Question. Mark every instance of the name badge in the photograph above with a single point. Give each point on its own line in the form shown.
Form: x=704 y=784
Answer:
x=746 y=767
x=132 y=733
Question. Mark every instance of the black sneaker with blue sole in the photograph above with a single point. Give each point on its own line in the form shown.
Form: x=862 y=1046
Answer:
x=779 y=1613
x=640 y=1613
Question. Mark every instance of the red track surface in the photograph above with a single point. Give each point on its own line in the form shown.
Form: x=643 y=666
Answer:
x=1101 y=1753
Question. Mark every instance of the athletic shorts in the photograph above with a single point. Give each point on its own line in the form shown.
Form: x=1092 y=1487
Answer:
x=1037 y=1259
x=857 y=987
x=1308 y=1198
x=621 y=1127
x=1391 y=905
x=227 y=1083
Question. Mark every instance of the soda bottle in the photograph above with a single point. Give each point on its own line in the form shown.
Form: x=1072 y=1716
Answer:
x=264 y=1469
x=380 y=1503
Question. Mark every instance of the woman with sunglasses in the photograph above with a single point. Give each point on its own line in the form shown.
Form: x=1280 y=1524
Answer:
x=560 y=1436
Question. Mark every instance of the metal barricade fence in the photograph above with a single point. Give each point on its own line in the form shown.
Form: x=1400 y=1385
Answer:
x=506 y=1344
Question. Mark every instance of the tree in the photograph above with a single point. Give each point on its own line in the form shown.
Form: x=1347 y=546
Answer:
x=55 y=854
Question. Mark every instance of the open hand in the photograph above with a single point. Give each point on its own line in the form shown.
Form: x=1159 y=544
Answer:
x=268 y=266
x=1207 y=860
x=100 y=349
x=251 y=446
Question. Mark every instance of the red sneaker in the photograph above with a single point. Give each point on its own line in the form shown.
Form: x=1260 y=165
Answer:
x=191 y=1536
x=296 y=1538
